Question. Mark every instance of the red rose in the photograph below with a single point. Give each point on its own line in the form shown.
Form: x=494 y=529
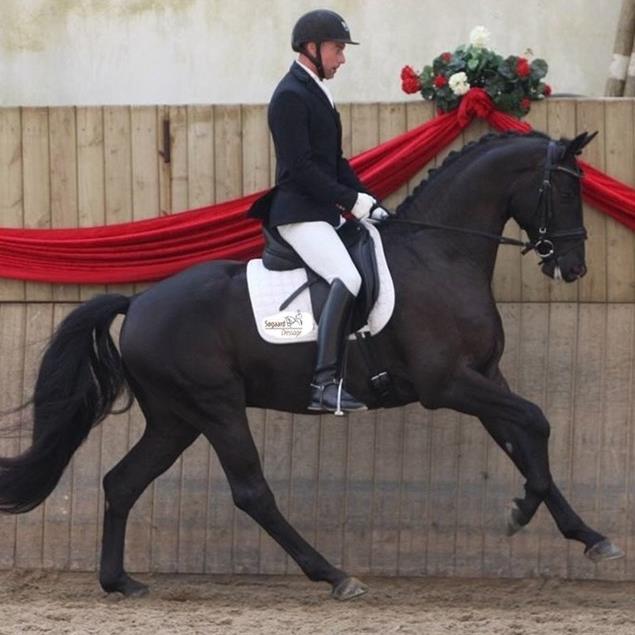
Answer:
x=411 y=85
x=547 y=90
x=440 y=81
x=525 y=104
x=410 y=82
x=446 y=57
x=407 y=72
x=522 y=67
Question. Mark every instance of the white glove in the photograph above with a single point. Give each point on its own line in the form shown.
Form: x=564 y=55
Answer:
x=363 y=205
x=379 y=213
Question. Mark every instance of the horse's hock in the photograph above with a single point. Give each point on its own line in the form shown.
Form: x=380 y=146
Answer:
x=391 y=492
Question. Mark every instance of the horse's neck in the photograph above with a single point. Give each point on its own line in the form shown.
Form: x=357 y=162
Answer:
x=475 y=199
x=471 y=194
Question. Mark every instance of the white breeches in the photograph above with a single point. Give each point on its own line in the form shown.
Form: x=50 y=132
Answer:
x=318 y=244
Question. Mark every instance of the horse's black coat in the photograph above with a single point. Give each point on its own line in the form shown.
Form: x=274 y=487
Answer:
x=192 y=357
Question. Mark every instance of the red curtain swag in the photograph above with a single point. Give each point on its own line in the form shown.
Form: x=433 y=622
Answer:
x=155 y=248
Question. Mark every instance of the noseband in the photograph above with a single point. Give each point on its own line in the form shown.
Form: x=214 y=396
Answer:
x=543 y=245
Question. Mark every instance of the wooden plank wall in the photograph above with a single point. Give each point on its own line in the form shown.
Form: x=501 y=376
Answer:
x=403 y=491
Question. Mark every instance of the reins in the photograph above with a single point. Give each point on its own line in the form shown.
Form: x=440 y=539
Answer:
x=502 y=240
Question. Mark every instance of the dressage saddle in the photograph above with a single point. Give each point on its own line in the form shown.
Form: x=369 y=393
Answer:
x=278 y=255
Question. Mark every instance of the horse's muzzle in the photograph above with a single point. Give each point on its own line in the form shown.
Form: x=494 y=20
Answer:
x=577 y=271
x=568 y=274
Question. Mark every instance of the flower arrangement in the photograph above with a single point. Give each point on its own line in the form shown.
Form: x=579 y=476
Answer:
x=512 y=82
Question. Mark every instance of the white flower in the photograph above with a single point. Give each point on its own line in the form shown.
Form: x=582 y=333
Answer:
x=479 y=37
x=458 y=83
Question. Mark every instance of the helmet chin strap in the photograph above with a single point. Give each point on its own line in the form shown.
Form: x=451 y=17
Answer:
x=316 y=59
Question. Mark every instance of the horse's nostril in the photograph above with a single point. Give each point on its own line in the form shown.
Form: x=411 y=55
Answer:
x=579 y=270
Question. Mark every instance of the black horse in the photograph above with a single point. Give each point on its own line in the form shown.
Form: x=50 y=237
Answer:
x=192 y=357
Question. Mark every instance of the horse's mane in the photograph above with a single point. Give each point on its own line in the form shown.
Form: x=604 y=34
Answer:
x=469 y=148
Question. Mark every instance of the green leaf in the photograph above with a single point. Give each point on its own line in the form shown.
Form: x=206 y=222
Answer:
x=455 y=66
x=438 y=65
x=539 y=69
x=494 y=85
x=427 y=73
x=453 y=102
x=507 y=71
x=473 y=64
x=505 y=102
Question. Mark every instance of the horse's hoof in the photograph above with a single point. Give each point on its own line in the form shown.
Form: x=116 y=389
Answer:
x=348 y=589
x=135 y=589
x=604 y=550
x=127 y=586
x=514 y=520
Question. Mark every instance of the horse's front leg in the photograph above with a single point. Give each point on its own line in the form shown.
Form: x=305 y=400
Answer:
x=571 y=526
x=520 y=428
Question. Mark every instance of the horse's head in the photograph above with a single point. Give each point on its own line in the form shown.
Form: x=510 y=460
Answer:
x=547 y=204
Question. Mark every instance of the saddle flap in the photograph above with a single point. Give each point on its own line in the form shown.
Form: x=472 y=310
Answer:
x=361 y=248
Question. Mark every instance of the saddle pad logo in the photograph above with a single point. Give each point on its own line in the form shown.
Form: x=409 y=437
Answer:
x=288 y=325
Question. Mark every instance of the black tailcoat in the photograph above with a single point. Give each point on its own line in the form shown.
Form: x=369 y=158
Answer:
x=313 y=180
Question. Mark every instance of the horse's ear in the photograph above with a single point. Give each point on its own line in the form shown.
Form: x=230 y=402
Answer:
x=577 y=145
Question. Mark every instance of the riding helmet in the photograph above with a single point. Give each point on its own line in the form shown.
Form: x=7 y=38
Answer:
x=320 y=26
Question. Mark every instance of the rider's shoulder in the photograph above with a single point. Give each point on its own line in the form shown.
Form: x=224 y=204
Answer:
x=289 y=94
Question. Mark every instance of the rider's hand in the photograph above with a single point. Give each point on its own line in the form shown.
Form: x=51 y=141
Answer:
x=363 y=205
x=379 y=213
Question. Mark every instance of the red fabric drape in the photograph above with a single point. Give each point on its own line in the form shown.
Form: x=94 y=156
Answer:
x=155 y=248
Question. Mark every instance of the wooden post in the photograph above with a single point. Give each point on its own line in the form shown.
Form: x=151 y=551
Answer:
x=622 y=51
x=629 y=86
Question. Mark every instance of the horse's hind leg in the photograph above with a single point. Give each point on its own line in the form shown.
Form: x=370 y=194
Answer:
x=227 y=429
x=164 y=439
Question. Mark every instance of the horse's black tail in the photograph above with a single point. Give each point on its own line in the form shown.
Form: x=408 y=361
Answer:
x=80 y=377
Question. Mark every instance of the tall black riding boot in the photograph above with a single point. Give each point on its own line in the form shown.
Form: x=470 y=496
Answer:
x=327 y=393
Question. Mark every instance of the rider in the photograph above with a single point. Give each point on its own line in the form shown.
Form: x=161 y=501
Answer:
x=314 y=185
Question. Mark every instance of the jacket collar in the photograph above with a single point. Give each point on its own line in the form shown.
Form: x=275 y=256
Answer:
x=300 y=73
x=297 y=71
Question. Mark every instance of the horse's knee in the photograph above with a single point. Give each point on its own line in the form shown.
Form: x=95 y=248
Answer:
x=536 y=420
x=538 y=485
x=253 y=499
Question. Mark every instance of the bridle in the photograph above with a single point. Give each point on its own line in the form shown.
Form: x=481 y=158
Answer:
x=543 y=244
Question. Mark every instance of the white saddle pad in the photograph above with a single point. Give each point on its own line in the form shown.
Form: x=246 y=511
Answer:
x=269 y=289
